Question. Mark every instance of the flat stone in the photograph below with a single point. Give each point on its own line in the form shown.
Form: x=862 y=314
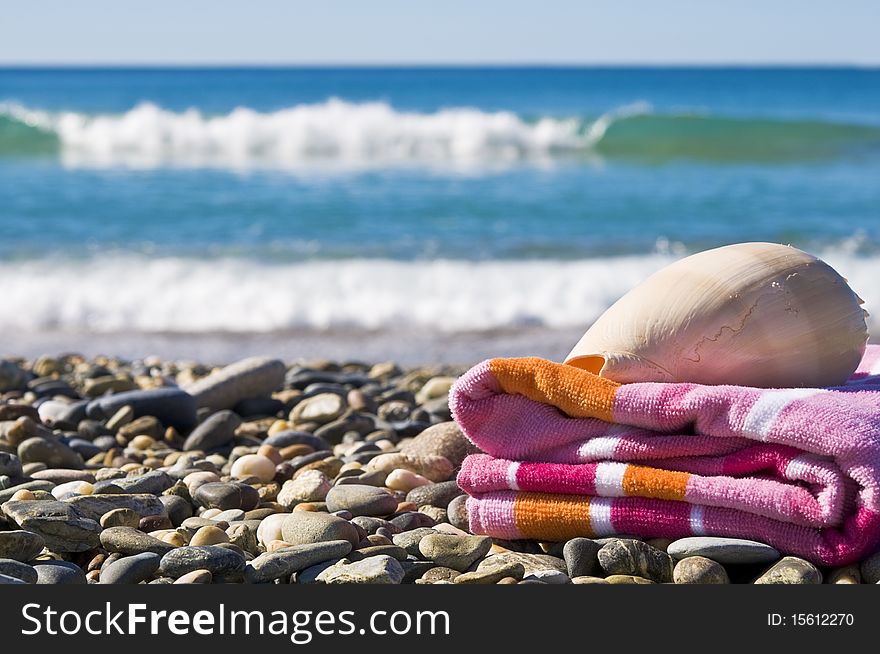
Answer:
x=321 y=409
x=626 y=579
x=306 y=527
x=33 y=486
x=360 y=499
x=310 y=486
x=409 y=540
x=435 y=468
x=588 y=580
x=290 y=437
x=19 y=570
x=727 y=551
x=7 y=580
x=491 y=571
x=380 y=569
x=172 y=406
x=457 y=513
x=20 y=545
x=246 y=379
x=177 y=508
x=393 y=551
x=195 y=577
x=215 y=432
x=633 y=557
x=443 y=439
x=120 y=518
x=131 y=569
x=533 y=564
x=456 y=552
x=95 y=506
x=152 y=483
x=53 y=453
x=64 y=475
x=62 y=527
x=128 y=541
x=791 y=570
x=409 y=520
x=219 y=560
x=59 y=572
x=282 y=563
x=223 y=496
x=699 y=570
x=439 y=494
x=581 y=557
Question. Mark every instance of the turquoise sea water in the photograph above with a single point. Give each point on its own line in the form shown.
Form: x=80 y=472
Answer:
x=408 y=201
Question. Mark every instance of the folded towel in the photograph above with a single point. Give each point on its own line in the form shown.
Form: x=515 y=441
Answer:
x=570 y=454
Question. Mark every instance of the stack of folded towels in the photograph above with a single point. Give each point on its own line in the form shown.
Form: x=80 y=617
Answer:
x=569 y=453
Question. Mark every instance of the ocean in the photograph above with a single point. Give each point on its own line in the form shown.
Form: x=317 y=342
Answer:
x=415 y=214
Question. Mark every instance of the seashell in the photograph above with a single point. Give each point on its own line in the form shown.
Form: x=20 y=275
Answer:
x=751 y=314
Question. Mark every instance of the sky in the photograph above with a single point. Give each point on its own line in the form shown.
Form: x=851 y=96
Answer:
x=334 y=32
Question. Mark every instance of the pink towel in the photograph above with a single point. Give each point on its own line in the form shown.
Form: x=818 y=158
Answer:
x=570 y=454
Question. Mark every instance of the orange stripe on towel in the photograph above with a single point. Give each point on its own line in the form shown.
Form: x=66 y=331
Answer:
x=575 y=392
x=544 y=516
x=654 y=482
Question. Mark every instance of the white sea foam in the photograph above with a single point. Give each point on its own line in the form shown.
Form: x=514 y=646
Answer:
x=334 y=131
x=155 y=295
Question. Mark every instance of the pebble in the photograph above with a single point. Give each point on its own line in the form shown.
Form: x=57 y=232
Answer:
x=404 y=480
x=171 y=406
x=128 y=541
x=253 y=465
x=456 y=552
x=306 y=527
x=120 y=518
x=727 y=551
x=20 y=545
x=791 y=570
x=581 y=557
x=626 y=579
x=209 y=536
x=6 y=580
x=195 y=577
x=320 y=409
x=97 y=505
x=19 y=570
x=284 y=562
x=633 y=557
x=361 y=500
x=131 y=569
x=491 y=571
x=246 y=379
x=588 y=580
x=218 y=560
x=59 y=572
x=444 y=439
x=61 y=526
x=53 y=453
x=215 y=432
x=848 y=574
x=440 y=494
x=435 y=468
x=381 y=569
x=310 y=486
x=533 y=564
x=223 y=496
x=409 y=540
x=699 y=570
x=456 y=513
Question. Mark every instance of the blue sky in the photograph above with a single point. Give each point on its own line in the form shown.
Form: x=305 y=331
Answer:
x=448 y=31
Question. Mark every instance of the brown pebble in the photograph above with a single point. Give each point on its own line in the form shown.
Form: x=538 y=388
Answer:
x=208 y=536
x=154 y=523
x=291 y=451
x=120 y=518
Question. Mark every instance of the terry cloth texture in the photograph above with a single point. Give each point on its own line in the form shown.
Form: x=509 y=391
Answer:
x=568 y=453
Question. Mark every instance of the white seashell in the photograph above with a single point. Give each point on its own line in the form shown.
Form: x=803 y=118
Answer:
x=751 y=314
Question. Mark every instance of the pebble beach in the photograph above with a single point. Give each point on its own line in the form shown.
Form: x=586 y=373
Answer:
x=265 y=472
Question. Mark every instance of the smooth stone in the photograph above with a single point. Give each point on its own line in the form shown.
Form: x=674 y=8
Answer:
x=409 y=540
x=699 y=570
x=62 y=527
x=456 y=552
x=404 y=480
x=254 y=377
x=284 y=562
x=152 y=483
x=380 y=569
x=726 y=551
x=59 y=572
x=361 y=500
x=270 y=528
x=371 y=525
x=440 y=494
x=413 y=570
x=253 y=465
x=310 y=575
x=95 y=506
x=177 y=508
x=870 y=569
x=435 y=468
x=633 y=557
x=120 y=518
x=20 y=545
x=588 y=580
x=290 y=437
x=490 y=571
x=54 y=454
x=550 y=577
x=532 y=563
x=171 y=406
x=64 y=475
x=7 y=580
x=10 y=465
x=131 y=569
x=443 y=439
x=581 y=557
x=306 y=527
x=128 y=541
x=220 y=561
x=195 y=577
x=209 y=536
x=791 y=570
x=848 y=574
x=310 y=486
x=393 y=551
x=223 y=496
x=438 y=574
x=321 y=409
x=19 y=570
x=457 y=513
x=626 y=579
x=32 y=486
x=217 y=431
x=230 y=515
